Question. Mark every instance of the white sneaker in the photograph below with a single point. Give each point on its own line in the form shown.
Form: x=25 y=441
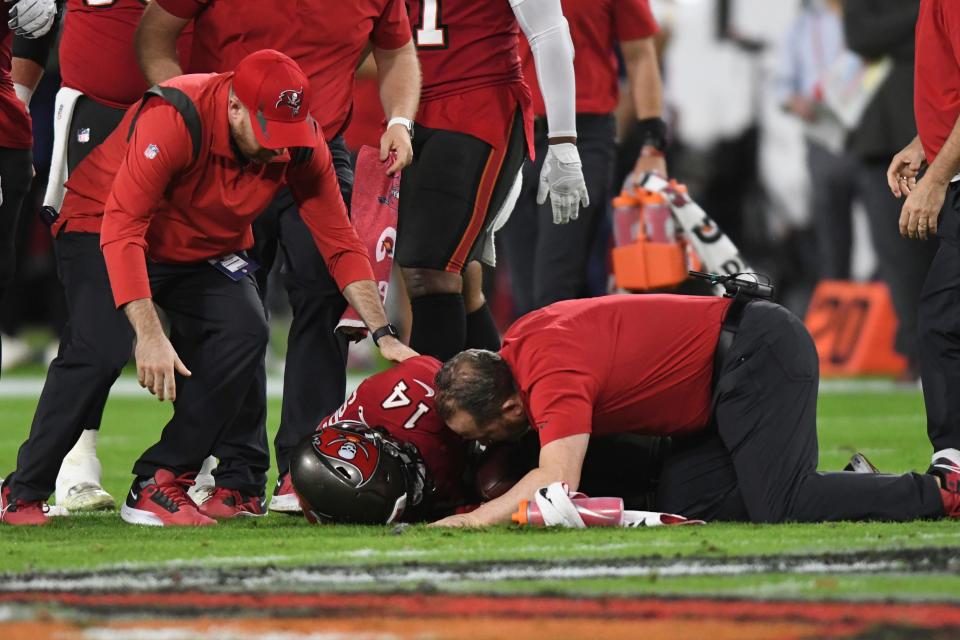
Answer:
x=204 y=484
x=78 y=483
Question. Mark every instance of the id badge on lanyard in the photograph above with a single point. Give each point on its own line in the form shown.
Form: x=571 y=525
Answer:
x=235 y=267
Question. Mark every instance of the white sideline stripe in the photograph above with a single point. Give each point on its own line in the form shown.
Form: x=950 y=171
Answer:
x=323 y=578
x=128 y=388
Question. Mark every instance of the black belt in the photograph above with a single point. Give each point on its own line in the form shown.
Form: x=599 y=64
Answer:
x=728 y=331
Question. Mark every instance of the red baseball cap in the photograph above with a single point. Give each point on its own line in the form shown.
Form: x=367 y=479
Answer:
x=277 y=93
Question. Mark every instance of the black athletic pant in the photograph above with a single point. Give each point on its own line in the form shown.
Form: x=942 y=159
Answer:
x=939 y=323
x=548 y=262
x=219 y=322
x=16 y=171
x=315 y=377
x=758 y=461
x=91 y=124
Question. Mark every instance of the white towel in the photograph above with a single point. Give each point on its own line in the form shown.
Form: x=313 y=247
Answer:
x=63 y=115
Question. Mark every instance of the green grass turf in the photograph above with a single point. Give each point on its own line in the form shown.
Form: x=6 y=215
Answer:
x=889 y=428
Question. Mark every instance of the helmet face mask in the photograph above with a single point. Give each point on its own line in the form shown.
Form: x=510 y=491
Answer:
x=347 y=472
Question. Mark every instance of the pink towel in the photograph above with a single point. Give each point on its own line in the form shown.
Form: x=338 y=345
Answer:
x=373 y=213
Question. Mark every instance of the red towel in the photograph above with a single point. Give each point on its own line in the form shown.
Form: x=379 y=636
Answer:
x=373 y=213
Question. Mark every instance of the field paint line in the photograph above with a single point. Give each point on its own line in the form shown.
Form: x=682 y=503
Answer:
x=221 y=633
x=420 y=605
x=15 y=387
x=266 y=579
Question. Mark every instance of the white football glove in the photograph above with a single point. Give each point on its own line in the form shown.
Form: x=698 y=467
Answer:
x=562 y=178
x=32 y=18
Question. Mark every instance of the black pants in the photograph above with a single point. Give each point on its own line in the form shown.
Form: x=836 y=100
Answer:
x=16 y=171
x=758 y=461
x=315 y=378
x=90 y=124
x=217 y=322
x=548 y=262
x=939 y=323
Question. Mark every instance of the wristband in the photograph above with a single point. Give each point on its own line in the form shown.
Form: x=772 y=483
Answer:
x=653 y=133
x=406 y=122
x=385 y=330
x=24 y=93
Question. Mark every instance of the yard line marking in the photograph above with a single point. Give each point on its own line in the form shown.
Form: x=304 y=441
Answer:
x=325 y=577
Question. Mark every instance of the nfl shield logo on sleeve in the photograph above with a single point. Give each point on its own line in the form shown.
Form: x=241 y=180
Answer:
x=83 y=135
x=151 y=151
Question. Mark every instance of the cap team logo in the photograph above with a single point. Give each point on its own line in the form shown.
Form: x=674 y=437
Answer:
x=292 y=98
x=151 y=152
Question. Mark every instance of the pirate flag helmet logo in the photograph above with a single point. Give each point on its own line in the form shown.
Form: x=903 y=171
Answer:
x=292 y=98
x=351 y=473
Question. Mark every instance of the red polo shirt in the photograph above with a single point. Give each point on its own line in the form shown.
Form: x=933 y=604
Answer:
x=937 y=85
x=324 y=37
x=616 y=364
x=157 y=202
x=96 y=51
x=15 y=129
x=596 y=27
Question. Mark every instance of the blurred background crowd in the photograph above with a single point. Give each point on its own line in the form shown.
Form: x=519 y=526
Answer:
x=771 y=129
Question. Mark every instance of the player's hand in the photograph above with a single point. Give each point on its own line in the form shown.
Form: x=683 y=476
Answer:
x=396 y=140
x=394 y=350
x=921 y=211
x=904 y=168
x=562 y=179
x=31 y=18
x=156 y=364
x=458 y=520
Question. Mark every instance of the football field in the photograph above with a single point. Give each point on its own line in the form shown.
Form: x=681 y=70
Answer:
x=97 y=577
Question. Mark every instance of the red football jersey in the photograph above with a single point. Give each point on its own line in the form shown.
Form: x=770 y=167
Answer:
x=400 y=400
x=641 y=364
x=596 y=26
x=15 y=132
x=325 y=38
x=470 y=61
x=96 y=50
x=937 y=85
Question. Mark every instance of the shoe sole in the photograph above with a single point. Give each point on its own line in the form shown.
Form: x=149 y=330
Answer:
x=99 y=501
x=139 y=516
x=283 y=504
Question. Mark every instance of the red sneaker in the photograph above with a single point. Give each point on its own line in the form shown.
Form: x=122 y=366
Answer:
x=22 y=512
x=284 y=498
x=230 y=503
x=163 y=502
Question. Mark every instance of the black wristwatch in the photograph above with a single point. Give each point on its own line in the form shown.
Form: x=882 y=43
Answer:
x=385 y=330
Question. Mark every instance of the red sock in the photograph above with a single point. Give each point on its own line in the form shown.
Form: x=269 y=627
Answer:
x=951 y=503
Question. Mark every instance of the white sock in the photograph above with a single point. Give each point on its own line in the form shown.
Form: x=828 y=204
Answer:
x=953 y=455
x=86 y=446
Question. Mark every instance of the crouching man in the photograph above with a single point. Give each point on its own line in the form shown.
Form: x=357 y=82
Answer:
x=170 y=197
x=742 y=421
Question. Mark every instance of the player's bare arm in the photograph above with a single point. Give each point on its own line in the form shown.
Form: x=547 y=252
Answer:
x=398 y=72
x=560 y=461
x=156 y=43
x=646 y=89
x=157 y=362
x=364 y=296
x=921 y=211
x=547 y=32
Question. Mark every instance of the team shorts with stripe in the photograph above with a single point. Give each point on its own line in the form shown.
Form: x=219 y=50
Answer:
x=451 y=194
